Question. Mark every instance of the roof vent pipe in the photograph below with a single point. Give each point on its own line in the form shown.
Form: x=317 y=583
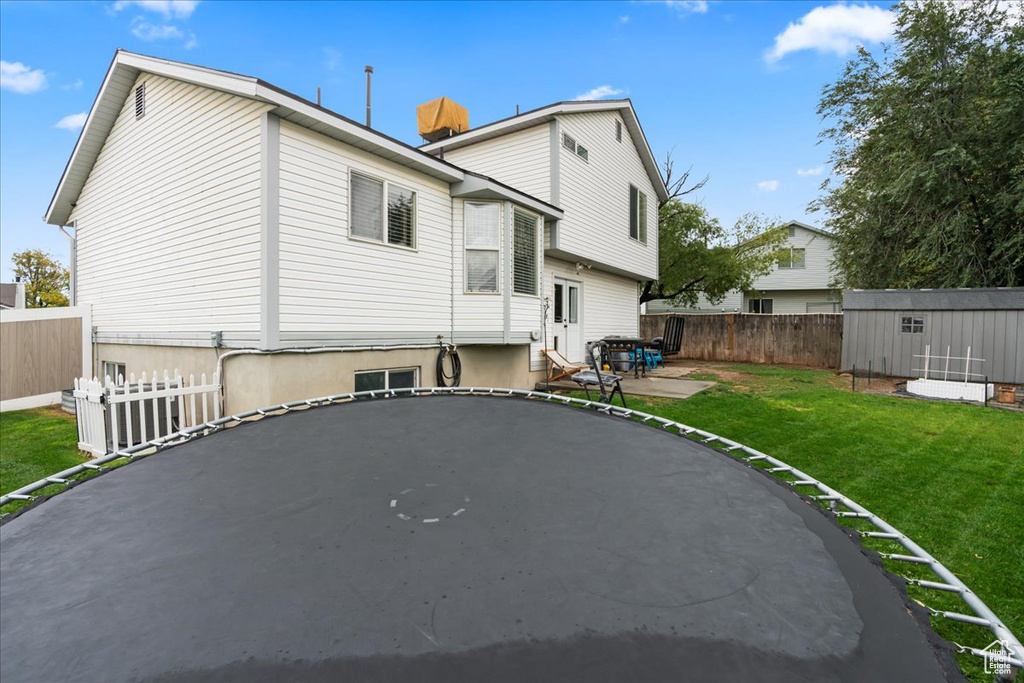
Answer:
x=369 y=74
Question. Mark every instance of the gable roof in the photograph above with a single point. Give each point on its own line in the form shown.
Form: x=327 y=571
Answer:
x=535 y=117
x=125 y=69
x=978 y=299
x=805 y=226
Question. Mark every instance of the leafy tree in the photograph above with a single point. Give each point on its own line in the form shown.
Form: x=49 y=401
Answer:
x=698 y=256
x=928 y=152
x=46 y=280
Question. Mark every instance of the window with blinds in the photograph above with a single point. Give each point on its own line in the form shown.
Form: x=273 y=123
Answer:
x=482 y=229
x=637 y=214
x=524 y=252
x=369 y=219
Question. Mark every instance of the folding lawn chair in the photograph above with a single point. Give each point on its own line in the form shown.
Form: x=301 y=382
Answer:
x=595 y=376
x=560 y=366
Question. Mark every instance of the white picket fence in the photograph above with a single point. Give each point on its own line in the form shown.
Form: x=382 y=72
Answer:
x=114 y=415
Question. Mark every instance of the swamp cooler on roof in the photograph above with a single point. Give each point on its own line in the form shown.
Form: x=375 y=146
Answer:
x=441 y=118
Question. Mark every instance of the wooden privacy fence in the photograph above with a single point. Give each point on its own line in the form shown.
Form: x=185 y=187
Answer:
x=116 y=415
x=814 y=339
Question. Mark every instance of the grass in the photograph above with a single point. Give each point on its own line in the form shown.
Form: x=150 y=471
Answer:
x=946 y=474
x=35 y=444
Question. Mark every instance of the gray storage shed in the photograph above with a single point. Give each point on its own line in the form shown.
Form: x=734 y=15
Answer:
x=888 y=327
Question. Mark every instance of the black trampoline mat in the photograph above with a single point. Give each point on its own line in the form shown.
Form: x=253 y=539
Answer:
x=445 y=539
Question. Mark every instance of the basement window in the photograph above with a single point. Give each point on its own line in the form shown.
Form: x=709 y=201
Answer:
x=115 y=371
x=381 y=380
x=140 y=100
x=910 y=324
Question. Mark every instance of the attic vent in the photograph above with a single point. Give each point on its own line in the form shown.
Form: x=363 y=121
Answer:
x=618 y=131
x=792 y=231
x=140 y=100
x=569 y=142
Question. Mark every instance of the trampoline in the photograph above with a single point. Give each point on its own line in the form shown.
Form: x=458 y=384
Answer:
x=449 y=536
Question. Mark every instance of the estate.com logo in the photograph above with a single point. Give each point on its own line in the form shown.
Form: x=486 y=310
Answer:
x=997 y=658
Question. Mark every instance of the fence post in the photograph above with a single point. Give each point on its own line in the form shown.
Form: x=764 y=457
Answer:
x=853 y=378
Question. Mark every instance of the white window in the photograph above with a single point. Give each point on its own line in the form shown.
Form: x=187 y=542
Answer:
x=483 y=246
x=114 y=370
x=377 y=380
x=369 y=220
x=570 y=143
x=910 y=324
x=524 y=252
x=793 y=258
x=637 y=214
x=760 y=305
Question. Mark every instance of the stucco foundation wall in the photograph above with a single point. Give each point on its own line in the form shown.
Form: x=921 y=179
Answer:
x=255 y=381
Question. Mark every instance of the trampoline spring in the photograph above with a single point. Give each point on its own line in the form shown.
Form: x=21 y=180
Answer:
x=785 y=468
x=19 y=496
x=966 y=649
x=90 y=466
x=857 y=515
x=805 y=482
x=756 y=457
x=827 y=496
x=55 y=480
x=733 y=448
x=880 y=534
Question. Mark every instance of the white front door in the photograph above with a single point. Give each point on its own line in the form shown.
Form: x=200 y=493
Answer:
x=568 y=314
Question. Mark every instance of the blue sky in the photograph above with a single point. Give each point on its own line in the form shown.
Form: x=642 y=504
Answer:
x=730 y=88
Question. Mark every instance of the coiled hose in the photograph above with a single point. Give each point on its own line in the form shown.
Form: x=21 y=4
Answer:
x=443 y=379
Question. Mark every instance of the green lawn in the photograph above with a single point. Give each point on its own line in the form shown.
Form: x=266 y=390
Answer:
x=35 y=444
x=948 y=475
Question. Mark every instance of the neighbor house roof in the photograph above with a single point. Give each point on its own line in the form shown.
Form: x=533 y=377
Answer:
x=125 y=69
x=805 y=226
x=981 y=299
x=547 y=113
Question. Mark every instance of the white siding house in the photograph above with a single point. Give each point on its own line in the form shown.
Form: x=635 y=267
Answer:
x=216 y=215
x=800 y=283
x=592 y=161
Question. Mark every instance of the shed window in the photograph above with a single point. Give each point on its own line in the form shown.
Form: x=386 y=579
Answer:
x=370 y=221
x=637 y=214
x=524 y=252
x=483 y=243
x=910 y=324
x=378 y=380
x=793 y=258
x=140 y=100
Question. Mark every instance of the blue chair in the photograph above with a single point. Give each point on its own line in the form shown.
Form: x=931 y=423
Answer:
x=653 y=358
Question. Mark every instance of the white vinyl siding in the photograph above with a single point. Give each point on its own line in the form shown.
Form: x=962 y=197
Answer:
x=816 y=269
x=475 y=315
x=596 y=198
x=168 y=221
x=336 y=288
x=520 y=159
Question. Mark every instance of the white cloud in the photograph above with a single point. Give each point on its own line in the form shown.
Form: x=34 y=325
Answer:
x=168 y=9
x=768 y=185
x=599 y=92
x=810 y=171
x=836 y=28
x=20 y=78
x=77 y=85
x=332 y=58
x=624 y=19
x=143 y=30
x=191 y=42
x=688 y=6
x=72 y=121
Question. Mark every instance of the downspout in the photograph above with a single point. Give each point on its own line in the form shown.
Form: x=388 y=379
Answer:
x=73 y=250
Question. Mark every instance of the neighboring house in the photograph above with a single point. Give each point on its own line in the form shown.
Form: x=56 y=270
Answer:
x=216 y=215
x=12 y=295
x=798 y=284
x=892 y=328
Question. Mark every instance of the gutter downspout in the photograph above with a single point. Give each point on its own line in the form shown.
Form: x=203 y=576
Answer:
x=73 y=250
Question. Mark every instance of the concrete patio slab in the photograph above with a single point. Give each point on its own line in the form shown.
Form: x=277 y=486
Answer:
x=656 y=386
